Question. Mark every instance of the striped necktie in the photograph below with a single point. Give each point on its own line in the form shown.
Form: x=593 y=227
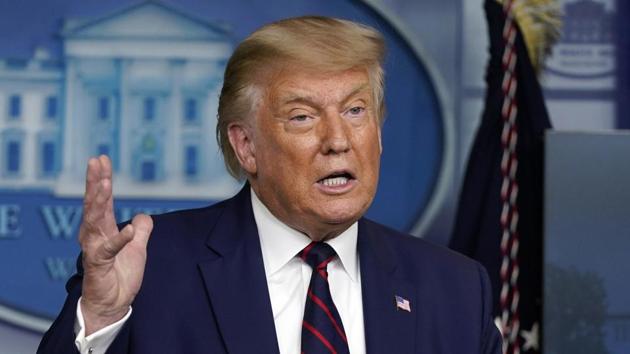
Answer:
x=322 y=330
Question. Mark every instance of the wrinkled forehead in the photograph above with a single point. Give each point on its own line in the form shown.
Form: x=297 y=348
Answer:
x=306 y=85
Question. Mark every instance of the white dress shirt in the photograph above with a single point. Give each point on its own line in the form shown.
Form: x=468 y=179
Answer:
x=288 y=278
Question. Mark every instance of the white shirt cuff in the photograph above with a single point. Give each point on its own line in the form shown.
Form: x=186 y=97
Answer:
x=99 y=341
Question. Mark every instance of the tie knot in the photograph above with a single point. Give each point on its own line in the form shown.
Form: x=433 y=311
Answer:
x=318 y=255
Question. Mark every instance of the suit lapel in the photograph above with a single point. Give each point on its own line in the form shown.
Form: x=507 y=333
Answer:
x=236 y=285
x=235 y=281
x=387 y=329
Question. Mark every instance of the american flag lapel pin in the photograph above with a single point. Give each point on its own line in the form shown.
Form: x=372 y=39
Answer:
x=402 y=304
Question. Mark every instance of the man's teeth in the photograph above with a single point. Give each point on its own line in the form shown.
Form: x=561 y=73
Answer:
x=335 y=181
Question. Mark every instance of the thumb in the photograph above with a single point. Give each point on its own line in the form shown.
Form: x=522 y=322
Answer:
x=142 y=227
x=114 y=244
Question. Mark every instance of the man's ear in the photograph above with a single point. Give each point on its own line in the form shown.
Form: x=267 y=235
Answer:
x=240 y=136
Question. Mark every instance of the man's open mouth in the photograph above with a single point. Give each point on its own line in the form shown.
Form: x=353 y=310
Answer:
x=336 y=179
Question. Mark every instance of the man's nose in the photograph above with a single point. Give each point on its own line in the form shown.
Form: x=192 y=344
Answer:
x=335 y=134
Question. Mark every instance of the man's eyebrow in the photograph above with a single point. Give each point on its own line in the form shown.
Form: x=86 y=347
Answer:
x=357 y=90
x=297 y=98
x=311 y=101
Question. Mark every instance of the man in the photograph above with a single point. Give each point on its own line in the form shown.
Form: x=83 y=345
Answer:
x=288 y=265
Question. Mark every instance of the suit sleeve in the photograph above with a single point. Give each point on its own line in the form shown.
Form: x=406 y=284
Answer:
x=60 y=337
x=491 y=341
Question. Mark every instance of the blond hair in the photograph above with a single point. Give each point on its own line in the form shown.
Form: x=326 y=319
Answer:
x=313 y=42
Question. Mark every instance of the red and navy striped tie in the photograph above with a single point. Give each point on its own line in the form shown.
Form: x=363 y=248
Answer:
x=322 y=331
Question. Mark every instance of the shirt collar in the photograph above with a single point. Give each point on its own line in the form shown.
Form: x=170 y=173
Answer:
x=280 y=243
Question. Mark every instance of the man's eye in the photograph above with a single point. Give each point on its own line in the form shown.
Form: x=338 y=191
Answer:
x=299 y=118
x=356 y=110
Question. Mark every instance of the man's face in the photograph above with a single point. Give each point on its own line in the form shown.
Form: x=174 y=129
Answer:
x=316 y=147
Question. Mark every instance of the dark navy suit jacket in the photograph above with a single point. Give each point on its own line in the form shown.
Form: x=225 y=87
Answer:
x=205 y=291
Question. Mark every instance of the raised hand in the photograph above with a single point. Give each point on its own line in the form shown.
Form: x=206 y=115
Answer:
x=113 y=260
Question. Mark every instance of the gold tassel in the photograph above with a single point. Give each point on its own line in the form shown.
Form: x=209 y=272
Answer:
x=540 y=23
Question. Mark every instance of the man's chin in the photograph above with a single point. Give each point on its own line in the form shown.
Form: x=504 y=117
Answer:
x=341 y=216
x=331 y=227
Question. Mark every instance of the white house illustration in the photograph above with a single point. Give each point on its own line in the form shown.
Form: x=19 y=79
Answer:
x=140 y=85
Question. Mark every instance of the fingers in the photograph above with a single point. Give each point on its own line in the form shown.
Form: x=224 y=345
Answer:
x=142 y=225
x=98 y=214
x=113 y=245
x=106 y=177
x=99 y=170
x=106 y=167
x=98 y=230
x=138 y=231
x=92 y=180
